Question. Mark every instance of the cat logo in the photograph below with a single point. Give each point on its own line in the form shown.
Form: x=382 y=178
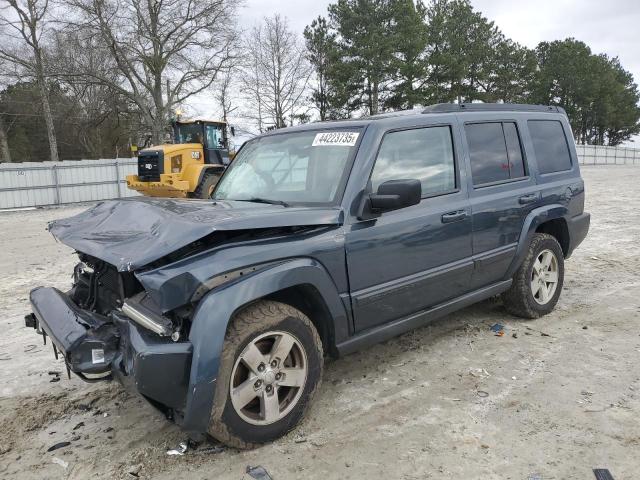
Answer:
x=195 y=155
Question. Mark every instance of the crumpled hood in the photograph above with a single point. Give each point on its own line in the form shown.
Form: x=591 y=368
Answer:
x=133 y=232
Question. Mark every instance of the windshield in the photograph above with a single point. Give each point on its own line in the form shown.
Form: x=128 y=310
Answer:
x=189 y=133
x=303 y=167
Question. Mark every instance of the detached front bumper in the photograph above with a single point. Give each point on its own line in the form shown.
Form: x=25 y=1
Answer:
x=113 y=346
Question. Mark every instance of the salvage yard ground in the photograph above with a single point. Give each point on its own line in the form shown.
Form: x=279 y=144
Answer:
x=551 y=399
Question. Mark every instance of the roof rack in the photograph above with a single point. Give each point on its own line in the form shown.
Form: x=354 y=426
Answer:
x=490 y=107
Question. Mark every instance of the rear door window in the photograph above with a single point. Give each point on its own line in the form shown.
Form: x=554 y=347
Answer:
x=549 y=145
x=495 y=152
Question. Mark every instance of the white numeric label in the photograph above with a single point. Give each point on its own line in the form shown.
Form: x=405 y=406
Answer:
x=346 y=139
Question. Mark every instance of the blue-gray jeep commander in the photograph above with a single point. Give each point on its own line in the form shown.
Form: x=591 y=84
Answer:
x=319 y=240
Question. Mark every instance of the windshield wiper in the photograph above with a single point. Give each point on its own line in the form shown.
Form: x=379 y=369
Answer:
x=265 y=200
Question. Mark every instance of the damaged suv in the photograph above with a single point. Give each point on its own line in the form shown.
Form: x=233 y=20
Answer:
x=319 y=240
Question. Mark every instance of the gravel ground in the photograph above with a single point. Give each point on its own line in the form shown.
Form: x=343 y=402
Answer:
x=551 y=399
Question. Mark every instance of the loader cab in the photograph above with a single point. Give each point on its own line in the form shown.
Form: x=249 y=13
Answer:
x=210 y=134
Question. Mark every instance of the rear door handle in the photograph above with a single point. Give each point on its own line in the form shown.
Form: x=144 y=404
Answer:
x=454 y=216
x=532 y=197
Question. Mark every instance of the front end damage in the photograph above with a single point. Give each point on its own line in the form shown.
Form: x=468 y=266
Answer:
x=146 y=268
x=107 y=327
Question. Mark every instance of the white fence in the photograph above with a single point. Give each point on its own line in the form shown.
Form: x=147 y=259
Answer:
x=47 y=183
x=597 y=155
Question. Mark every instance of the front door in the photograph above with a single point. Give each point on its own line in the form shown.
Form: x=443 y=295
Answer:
x=410 y=259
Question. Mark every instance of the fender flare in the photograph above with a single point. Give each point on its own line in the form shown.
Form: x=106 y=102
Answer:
x=532 y=221
x=216 y=309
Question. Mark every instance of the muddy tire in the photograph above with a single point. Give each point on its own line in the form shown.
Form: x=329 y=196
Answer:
x=537 y=284
x=270 y=370
x=206 y=186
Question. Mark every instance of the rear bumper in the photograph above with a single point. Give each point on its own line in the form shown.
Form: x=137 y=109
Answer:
x=113 y=346
x=578 y=228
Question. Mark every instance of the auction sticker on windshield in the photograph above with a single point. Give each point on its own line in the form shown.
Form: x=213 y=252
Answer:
x=347 y=139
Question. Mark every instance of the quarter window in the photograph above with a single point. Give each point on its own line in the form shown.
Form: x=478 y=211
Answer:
x=424 y=154
x=495 y=152
x=550 y=146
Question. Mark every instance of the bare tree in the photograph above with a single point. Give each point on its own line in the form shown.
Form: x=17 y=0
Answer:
x=95 y=101
x=24 y=22
x=164 y=51
x=225 y=96
x=277 y=74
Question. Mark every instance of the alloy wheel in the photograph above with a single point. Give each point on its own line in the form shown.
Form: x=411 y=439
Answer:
x=268 y=378
x=544 y=277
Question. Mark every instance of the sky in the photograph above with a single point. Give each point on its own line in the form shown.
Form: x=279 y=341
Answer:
x=611 y=27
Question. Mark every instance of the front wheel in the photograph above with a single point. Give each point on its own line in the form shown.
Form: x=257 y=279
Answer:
x=538 y=282
x=206 y=186
x=270 y=369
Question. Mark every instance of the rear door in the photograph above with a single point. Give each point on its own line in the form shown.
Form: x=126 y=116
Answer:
x=502 y=192
x=410 y=259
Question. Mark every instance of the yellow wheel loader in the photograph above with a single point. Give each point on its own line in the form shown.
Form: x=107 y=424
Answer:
x=190 y=167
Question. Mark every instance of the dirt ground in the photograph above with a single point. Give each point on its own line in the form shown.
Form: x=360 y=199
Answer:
x=551 y=399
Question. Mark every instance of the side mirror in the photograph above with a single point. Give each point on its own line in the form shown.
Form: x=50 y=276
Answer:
x=391 y=195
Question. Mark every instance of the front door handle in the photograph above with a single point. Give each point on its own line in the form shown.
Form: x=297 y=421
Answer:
x=531 y=198
x=454 y=216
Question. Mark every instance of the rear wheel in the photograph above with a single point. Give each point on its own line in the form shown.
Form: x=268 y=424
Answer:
x=538 y=282
x=270 y=369
x=206 y=186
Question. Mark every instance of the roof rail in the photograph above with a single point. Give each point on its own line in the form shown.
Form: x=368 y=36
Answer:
x=490 y=107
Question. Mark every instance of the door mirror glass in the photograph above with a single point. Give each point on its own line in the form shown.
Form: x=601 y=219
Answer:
x=395 y=194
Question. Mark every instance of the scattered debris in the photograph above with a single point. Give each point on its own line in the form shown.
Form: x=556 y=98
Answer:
x=300 y=437
x=134 y=470
x=258 y=472
x=482 y=393
x=602 y=474
x=59 y=461
x=213 y=449
x=181 y=449
x=543 y=334
x=108 y=429
x=514 y=334
x=58 y=445
x=105 y=414
x=514 y=378
x=498 y=329
x=479 y=372
x=584 y=327
x=81 y=424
